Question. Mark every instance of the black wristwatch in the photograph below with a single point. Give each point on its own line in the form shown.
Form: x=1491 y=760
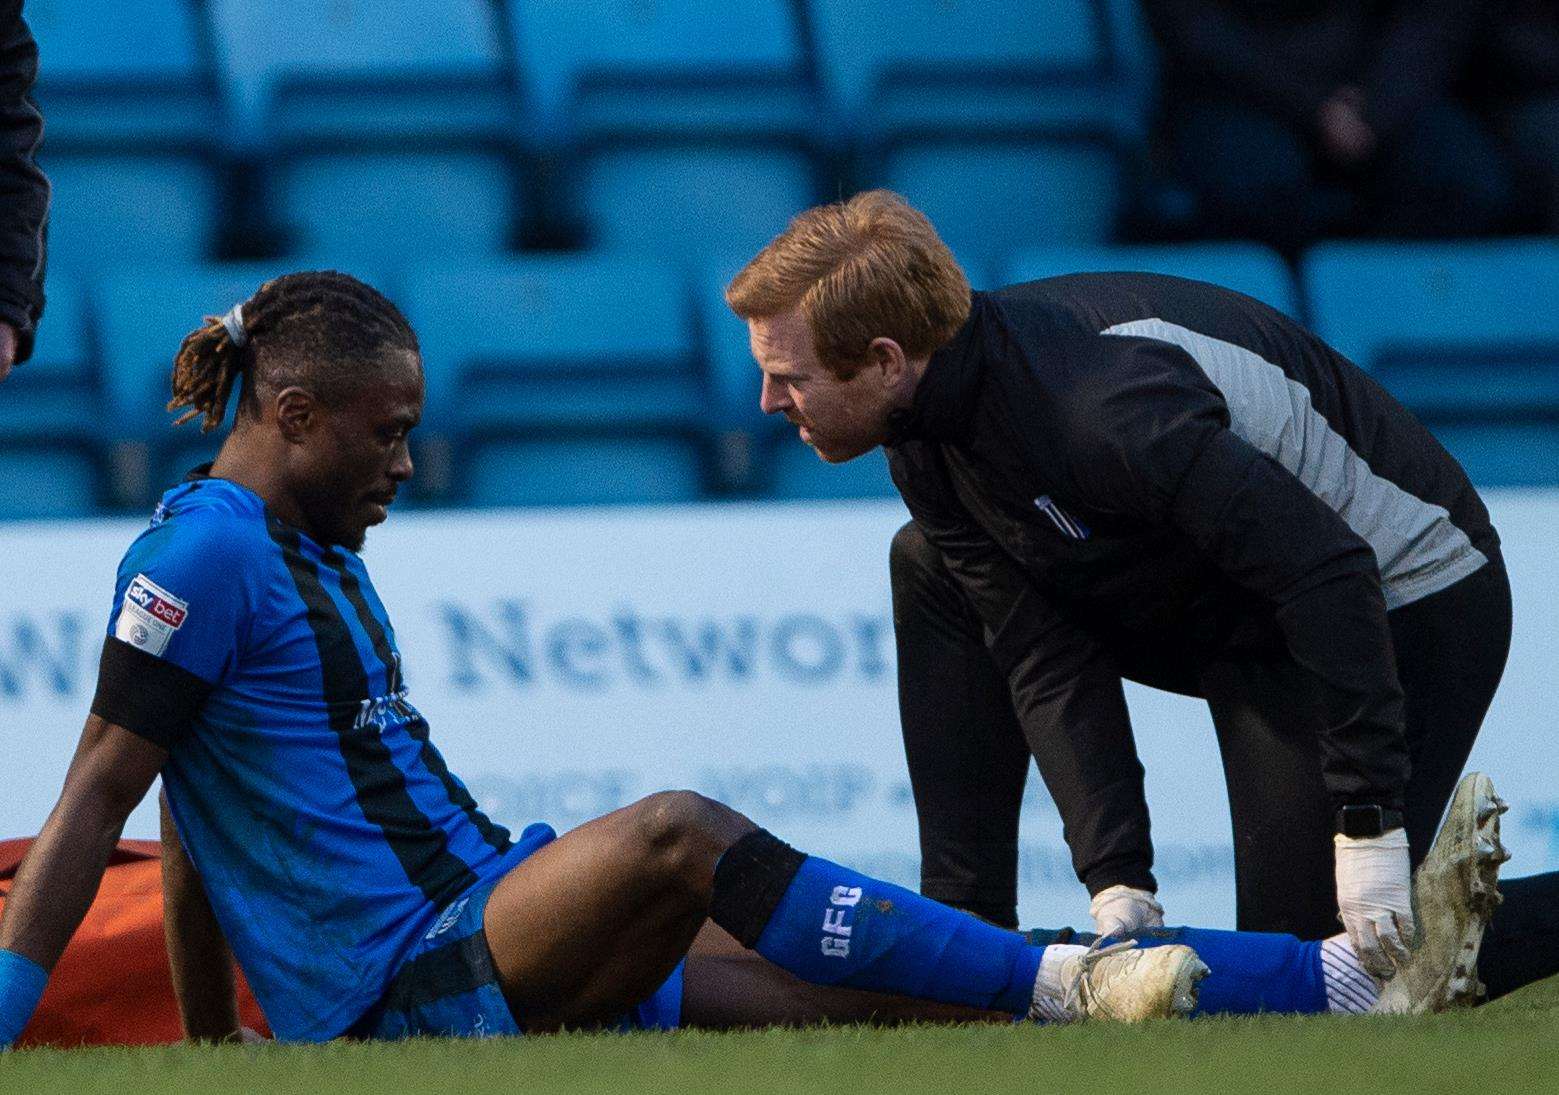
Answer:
x=1360 y=821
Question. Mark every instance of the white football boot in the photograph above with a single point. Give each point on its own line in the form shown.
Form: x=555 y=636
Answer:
x=1454 y=896
x=1124 y=983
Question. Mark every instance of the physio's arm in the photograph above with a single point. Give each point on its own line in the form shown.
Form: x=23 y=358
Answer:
x=198 y=953
x=1066 y=688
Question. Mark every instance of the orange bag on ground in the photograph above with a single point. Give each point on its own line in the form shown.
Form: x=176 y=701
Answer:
x=112 y=986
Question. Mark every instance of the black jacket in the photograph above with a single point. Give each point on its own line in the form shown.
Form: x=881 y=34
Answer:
x=24 y=192
x=1130 y=474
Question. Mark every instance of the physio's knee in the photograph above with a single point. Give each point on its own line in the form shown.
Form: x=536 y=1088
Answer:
x=920 y=579
x=911 y=554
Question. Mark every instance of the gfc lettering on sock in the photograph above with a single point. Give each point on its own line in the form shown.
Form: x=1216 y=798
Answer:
x=836 y=920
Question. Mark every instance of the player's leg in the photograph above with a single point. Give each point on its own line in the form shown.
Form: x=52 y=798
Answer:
x=593 y=923
x=727 y=986
x=590 y=926
x=967 y=758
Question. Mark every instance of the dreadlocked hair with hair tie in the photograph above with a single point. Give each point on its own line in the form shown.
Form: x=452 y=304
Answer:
x=322 y=330
x=208 y=365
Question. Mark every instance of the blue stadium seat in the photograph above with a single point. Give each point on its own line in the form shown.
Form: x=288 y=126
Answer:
x=381 y=206
x=562 y=471
x=1371 y=299
x=131 y=111
x=50 y=418
x=731 y=68
x=689 y=202
x=791 y=470
x=523 y=355
x=355 y=69
x=734 y=379
x=54 y=394
x=388 y=127
x=119 y=208
x=988 y=198
x=1244 y=267
x=1465 y=334
x=132 y=73
x=891 y=65
x=47 y=481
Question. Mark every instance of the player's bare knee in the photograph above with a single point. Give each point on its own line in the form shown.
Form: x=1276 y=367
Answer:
x=683 y=832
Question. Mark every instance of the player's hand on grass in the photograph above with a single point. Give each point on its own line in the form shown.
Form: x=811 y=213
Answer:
x=1374 y=899
x=1121 y=911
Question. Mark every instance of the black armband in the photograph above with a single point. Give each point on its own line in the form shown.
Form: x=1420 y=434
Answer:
x=144 y=694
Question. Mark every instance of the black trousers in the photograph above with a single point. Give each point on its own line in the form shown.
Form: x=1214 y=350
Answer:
x=969 y=760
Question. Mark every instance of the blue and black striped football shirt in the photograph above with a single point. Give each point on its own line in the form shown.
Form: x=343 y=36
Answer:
x=326 y=826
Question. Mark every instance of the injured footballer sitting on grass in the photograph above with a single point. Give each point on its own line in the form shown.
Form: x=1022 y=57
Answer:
x=250 y=663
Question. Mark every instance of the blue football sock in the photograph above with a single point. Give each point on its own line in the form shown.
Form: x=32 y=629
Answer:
x=837 y=927
x=1250 y=971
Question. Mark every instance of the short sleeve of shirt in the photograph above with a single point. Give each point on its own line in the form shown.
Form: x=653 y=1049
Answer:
x=181 y=612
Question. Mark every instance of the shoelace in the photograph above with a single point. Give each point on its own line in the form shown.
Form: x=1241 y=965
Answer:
x=1095 y=954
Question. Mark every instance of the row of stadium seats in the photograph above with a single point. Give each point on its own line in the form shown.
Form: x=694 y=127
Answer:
x=381 y=128
x=601 y=378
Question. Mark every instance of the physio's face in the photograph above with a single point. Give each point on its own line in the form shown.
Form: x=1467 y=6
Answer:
x=356 y=457
x=840 y=419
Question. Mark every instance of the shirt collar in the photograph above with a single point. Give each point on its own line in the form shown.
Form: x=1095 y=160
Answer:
x=944 y=402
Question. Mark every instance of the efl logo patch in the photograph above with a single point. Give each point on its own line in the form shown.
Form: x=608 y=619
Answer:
x=1070 y=526
x=150 y=616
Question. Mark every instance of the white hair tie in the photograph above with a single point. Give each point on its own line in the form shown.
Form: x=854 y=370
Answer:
x=233 y=323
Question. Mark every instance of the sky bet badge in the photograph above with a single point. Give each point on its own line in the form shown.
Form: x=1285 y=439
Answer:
x=150 y=616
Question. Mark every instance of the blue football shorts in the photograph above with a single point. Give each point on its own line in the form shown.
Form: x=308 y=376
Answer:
x=448 y=987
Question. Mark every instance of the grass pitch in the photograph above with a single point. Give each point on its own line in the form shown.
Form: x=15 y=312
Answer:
x=1510 y=1045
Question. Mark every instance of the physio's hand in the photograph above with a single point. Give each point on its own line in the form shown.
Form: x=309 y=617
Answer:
x=7 y=349
x=1121 y=911
x=1374 y=899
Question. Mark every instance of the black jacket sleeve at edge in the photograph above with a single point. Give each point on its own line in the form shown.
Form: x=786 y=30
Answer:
x=24 y=192
x=1066 y=690
x=1165 y=450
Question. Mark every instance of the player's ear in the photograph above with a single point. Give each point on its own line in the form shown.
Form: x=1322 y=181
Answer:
x=296 y=413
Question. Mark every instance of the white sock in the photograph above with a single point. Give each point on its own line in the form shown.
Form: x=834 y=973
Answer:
x=1049 y=988
x=1349 y=989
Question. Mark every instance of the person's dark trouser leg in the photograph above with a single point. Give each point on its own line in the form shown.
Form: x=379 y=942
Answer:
x=968 y=761
x=1522 y=943
x=1450 y=656
x=1265 y=711
x=1450 y=650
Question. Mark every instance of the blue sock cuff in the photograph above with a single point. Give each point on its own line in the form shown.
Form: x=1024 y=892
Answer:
x=21 y=987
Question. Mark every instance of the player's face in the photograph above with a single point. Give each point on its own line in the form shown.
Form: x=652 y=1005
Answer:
x=840 y=419
x=359 y=458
